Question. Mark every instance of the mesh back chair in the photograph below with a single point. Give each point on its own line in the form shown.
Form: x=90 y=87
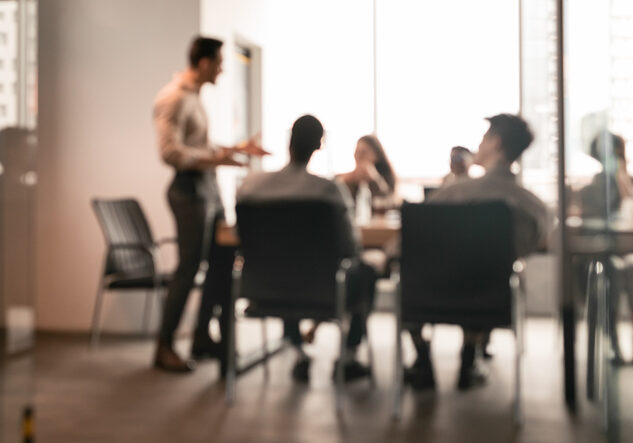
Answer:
x=458 y=267
x=292 y=267
x=428 y=191
x=130 y=261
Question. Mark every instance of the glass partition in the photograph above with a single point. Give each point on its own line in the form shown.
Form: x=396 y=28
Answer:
x=598 y=111
x=18 y=179
x=577 y=94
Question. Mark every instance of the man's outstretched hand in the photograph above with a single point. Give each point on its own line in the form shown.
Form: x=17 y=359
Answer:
x=252 y=147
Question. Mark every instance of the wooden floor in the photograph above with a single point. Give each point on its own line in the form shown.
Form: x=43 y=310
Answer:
x=113 y=395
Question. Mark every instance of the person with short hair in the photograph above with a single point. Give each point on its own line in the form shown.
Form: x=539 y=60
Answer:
x=294 y=182
x=608 y=188
x=460 y=160
x=504 y=142
x=194 y=198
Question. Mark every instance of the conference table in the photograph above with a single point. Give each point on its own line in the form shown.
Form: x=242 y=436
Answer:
x=378 y=232
x=584 y=237
x=595 y=236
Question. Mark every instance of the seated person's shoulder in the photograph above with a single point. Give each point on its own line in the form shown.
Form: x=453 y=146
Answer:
x=334 y=189
x=252 y=183
x=320 y=183
x=456 y=190
x=534 y=198
x=530 y=201
x=325 y=189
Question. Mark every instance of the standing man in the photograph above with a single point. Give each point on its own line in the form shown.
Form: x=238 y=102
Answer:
x=194 y=198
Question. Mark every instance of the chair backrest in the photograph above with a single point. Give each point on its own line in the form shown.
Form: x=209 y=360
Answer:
x=429 y=190
x=456 y=263
x=123 y=223
x=291 y=252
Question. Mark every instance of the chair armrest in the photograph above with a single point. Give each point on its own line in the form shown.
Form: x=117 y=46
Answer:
x=136 y=246
x=518 y=269
x=164 y=240
x=343 y=267
x=341 y=292
x=346 y=263
x=140 y=247
x=236 y=276
x=238 y=261
x=394 y=271
x=519 y=300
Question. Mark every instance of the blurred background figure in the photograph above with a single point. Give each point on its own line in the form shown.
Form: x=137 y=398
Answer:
x=603 y=197
x=608 y=198
x=461 y=159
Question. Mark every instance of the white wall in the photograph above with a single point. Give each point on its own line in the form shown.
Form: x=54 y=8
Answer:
x=443 y=67
x=440 y=72
x=317 y=58
x=100 y=66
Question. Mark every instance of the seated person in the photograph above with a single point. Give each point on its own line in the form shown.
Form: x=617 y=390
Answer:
x=503 y=143
x=461 y=159
x=293 y=182
x=601 y=200
x=372 y=167
x=603 y=196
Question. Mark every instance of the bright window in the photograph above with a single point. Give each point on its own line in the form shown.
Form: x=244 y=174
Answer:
x=442 y=67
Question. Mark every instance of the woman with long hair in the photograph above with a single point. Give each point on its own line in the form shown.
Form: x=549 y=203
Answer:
x=372 y=167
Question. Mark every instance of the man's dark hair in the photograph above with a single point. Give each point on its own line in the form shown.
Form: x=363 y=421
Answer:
x=460 y=154
x=306 y=136
x=203 y=47
x=514 y=132
x=606 y=145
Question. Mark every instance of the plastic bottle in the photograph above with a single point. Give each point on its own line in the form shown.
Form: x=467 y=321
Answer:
x=363 y=204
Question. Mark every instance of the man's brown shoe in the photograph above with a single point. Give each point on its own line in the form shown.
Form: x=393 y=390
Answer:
x=167 y=360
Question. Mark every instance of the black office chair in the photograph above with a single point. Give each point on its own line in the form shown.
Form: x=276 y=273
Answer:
x=458 y=267
x=293 y=268
x=428 y=191
x=130 y=261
